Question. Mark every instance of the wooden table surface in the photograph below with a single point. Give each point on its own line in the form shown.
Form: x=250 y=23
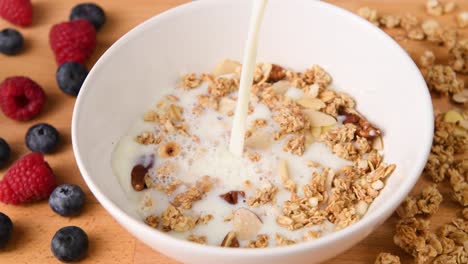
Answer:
x=35 y=224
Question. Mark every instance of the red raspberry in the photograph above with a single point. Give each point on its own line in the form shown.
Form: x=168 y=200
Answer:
x=18 y=12
x=73 y=41
x=21 y=98
x=30 y=179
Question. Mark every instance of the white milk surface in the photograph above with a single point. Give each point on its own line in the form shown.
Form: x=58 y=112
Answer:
x=211 y=157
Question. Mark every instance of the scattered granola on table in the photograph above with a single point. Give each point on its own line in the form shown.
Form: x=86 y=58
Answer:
x=387 y=258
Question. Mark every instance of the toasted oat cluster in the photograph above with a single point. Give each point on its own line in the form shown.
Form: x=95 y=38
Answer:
x=302 y=111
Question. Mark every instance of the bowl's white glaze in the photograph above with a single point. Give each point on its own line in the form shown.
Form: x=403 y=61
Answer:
x=148 y=61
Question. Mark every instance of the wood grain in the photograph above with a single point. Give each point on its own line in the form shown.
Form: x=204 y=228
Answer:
x=109 y=243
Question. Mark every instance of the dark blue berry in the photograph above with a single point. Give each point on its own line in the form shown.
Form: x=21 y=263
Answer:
x=70 y=76
x=42 y=138
x=6 y=228
x=69 y=244
x=11 y=41
x=5 y=152
x=91 y=12
x=67 y=200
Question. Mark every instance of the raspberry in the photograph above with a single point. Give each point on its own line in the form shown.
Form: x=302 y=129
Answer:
x=18 y=12
x=73 y=41
x=29 y=179
x=21 y=98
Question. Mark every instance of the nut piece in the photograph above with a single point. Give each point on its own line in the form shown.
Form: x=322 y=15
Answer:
x=277 y=73
x=169 y=150
x=427 y=59
x=246 y=224
x=230 y=240
x=138 y=177
x=226 y=66
x=258 y=140
x=453 y=116
x=319 y=119
x=311 y=103
x=461 y=97
x=377 y=144
x=280 y=87
x=226 y=105
x=232 y=196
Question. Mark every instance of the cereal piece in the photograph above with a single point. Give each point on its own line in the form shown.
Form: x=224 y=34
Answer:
x=152 y=220
x=254 y=157
x=260 y=242
x=434 y=7
x=191 y=81
x=197 y=239
x=458 y=56
x=387 y=258
x=427 y=59
x=442 y=79
x=263 y=195
x=459 y=185
x=449 y=7
x=299 y=213
x=283 y=172
x=283 y=241
x=432 y=30
x=310 y=235
x=462 y=19
x=456 y=231
x=370 y=14
x=172 y=219
x=148 y=138
x=205 y=219
x=232 y=196
x=151 y=116
x=186 y=199
x=409 y=21
x=295 y=145
x=221 y=86
x=318 y=76
x=413 y=236
x=465 y=213
x=169 y=150
x=230 y=240
x=246 y=224
x=448 y=37
x=290 y=118
x=390 y=21
x=426 y=203
x=416 y=34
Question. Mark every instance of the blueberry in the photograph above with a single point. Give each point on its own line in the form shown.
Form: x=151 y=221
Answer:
x=69 y=244
x=42 y=138
x=5 y=152
x=6 y=228
x=67 y=199
x=91 y=12
x=70 y=76
x=11 y=41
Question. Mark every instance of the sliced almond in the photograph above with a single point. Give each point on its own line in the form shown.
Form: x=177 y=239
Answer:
x=246 y=224
x=226 y=66
x=226 y=105
x=281 y=87
x=316 y=132
x=319 y=119
x=453 y=116
x=230 y=240
x=377 y=144
x=258 y=140
x=309 y=138
x=325 y=129
x=311 y=103
x=283 y=170
x=461 y=97
x=266 y=70
x=361 y=208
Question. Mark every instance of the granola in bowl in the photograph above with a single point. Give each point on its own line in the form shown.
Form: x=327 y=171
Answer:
x=312 y=163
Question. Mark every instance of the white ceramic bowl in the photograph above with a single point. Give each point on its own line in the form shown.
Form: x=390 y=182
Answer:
x=148 y=61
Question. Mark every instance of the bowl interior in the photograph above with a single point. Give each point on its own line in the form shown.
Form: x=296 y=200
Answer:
x=149 y=61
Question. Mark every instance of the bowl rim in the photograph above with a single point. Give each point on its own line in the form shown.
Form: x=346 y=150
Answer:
x=373 y=219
